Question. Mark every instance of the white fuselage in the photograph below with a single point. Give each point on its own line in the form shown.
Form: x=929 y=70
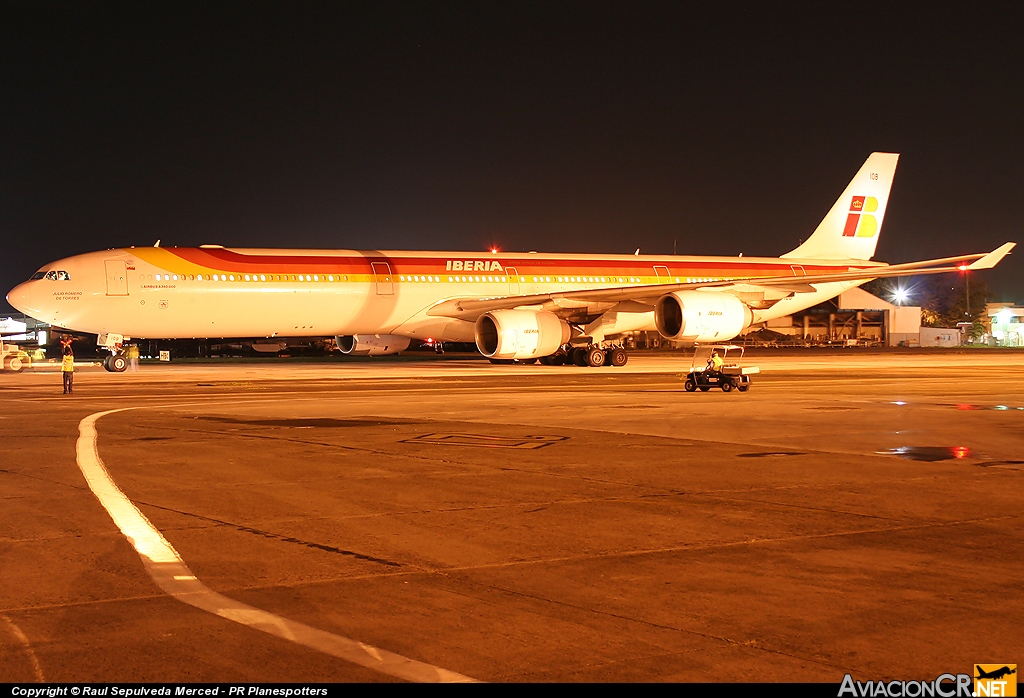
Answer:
x=150 y=292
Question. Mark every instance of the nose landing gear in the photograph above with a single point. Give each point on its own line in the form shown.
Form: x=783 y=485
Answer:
x=116 y=363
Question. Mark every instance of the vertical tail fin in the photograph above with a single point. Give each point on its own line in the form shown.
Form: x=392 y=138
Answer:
x=851 y=228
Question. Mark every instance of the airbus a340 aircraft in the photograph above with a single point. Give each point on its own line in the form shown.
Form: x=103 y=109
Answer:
x=551 y=307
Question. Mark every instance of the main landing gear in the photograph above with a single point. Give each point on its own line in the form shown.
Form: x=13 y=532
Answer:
x=587 y=356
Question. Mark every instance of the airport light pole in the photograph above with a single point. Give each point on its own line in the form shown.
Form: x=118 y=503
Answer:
x=967 y=291
x=967 y=288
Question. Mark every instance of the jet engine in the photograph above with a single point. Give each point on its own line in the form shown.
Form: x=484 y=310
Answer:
x=371 y=344
x=520 y=334
x=701 y=316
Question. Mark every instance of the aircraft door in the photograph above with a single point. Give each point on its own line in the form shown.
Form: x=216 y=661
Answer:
x=117 y=277
x=798 y=270
x=662 y=273
x=382 y=274
x=513 y=280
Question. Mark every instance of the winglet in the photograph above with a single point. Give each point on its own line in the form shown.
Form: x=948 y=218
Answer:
x=993 y=258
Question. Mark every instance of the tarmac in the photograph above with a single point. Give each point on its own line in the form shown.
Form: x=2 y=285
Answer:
x=449 y=519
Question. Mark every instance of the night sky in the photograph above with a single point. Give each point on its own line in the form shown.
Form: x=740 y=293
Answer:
x=562 y=127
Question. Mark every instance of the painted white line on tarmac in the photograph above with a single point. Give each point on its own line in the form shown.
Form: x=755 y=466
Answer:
x=20 y=637
x=172 y=575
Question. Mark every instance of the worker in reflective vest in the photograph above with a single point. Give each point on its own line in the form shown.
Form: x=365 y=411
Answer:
x=715 y=363
x=67 y=369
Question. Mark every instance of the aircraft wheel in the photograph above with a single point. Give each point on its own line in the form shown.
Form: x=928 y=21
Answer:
x=726 y=386
x=118 y=363
x=106 y=363
x=524 y=361
x=501 y=361
x=689 y=386
x=618 y=357
x=579 y=356
x=557 y=359
x=595 y=357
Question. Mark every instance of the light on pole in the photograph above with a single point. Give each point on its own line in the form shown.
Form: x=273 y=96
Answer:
x=967 y=288
x=967 y=291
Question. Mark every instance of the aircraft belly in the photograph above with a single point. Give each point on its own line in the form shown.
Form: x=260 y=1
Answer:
x=441 y=329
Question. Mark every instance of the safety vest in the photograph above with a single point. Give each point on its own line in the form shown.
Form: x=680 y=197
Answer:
x=67 y=364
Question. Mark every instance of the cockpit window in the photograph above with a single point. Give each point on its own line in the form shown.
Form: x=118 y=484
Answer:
x=52 y=275
x=38 y=275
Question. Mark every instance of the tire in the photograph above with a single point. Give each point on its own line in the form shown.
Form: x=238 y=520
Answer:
x=545 y=361
x=705 y=388
x=743 y=387
x=14 y=364
x=688 y=385
x=118 y=363
x=500 y=361
x=595 y=357
x=579 y=356
x=617 y=357
x=106 y=363
x=726 y=386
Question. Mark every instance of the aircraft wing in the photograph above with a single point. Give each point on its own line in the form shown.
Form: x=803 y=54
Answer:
x=471 y=308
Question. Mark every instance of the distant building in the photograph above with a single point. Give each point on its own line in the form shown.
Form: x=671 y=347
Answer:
x=858 y=317
x=1004 y=324
x=13 y=330
x=941 y=337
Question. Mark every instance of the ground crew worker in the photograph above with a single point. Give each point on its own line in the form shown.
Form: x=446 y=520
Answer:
x=715 y=363
x=133 y=356
x=67 y=369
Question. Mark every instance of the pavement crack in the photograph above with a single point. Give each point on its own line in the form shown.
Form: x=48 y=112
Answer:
x=277 y=536
x=727 y=544
x=640 y=621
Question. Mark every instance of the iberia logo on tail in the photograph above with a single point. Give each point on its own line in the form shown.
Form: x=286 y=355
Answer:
x=859 y=222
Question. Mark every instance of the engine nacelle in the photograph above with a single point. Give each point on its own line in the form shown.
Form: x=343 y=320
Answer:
x=520 y=334
x=372 y=344
x=700 y=316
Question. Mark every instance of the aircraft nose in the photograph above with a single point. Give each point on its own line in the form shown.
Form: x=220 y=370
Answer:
x=20 y=297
